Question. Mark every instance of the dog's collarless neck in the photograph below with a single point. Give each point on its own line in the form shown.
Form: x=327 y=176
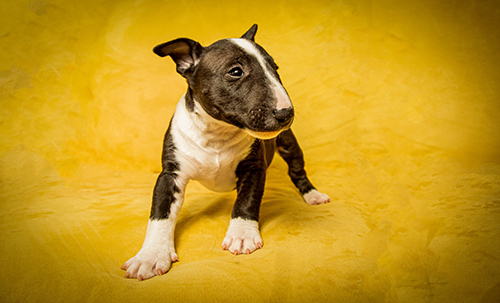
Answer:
x=206 y=131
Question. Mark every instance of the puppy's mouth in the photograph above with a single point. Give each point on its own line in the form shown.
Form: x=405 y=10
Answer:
x=268 y=123
x=263 y=135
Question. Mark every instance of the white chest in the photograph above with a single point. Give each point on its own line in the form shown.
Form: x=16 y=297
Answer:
x=208 y=150
x=216 y=170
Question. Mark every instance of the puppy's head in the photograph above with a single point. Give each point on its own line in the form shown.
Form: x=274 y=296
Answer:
x=235 y=81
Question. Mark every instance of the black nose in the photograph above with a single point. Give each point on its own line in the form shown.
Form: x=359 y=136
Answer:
x=284 y=115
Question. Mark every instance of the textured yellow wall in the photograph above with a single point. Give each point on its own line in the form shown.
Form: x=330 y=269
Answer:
x=398 y=106
x=80 y=83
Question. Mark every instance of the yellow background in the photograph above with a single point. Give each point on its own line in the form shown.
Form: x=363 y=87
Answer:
x=398 y=106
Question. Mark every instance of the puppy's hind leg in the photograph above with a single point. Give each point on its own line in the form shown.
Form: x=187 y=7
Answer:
x=290 y=151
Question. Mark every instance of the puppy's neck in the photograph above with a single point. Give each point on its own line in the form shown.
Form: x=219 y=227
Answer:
x=206 y=131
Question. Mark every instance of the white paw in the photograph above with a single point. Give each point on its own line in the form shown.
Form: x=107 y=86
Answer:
x=149 y=262
x=242 y=236
x=314 y=197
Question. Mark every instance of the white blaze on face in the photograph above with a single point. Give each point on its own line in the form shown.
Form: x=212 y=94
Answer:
x=283 y=100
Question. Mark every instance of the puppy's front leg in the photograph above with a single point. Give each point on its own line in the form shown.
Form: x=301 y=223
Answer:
x=158 y=251
x=243 y=235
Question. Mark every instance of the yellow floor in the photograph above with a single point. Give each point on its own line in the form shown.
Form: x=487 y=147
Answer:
x=398 y=110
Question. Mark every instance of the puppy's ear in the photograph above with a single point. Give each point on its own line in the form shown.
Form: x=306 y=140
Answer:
x=185 y=53
x=250 y=34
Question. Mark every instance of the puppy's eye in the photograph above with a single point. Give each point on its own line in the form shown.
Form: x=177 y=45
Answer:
x=236 y=72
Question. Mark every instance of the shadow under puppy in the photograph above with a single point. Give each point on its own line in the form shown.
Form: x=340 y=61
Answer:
x=224 y=133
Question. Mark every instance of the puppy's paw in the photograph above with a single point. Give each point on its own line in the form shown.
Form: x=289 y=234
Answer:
x=242 y=237
x=314 y=197
x=149 y=262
